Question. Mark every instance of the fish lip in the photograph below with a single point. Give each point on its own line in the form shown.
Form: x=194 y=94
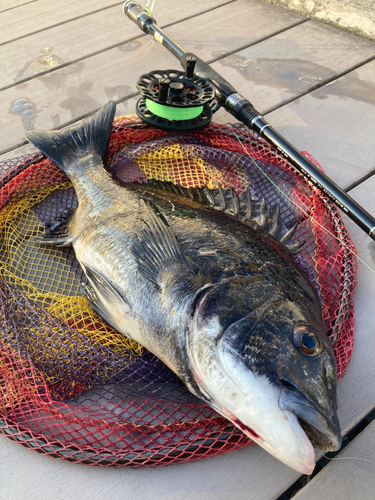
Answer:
x=323 y=430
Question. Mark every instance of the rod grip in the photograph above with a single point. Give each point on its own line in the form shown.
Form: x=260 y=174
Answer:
x=247 y=114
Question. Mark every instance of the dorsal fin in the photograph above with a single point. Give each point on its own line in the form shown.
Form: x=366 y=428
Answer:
x=241 y=206
x=275 y=223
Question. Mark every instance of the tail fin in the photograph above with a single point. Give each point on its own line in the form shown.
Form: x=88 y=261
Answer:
x=87 y=136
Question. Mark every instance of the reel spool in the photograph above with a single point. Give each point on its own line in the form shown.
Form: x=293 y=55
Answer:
x=175 y=100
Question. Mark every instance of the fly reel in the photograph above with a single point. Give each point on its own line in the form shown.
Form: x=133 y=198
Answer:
x=176 y=100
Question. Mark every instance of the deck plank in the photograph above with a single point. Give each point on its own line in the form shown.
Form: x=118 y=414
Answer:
x=293 y=63
x=336 y=124
x=352 y=476
x=122 y=108
x=80 y=38
x=55 y=98
x=210 y=37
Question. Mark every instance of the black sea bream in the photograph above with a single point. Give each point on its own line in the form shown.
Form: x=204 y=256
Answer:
x=208 y=290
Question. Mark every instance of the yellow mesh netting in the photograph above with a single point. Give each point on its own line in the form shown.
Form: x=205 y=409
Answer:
x=182 y=165
x=43 y=274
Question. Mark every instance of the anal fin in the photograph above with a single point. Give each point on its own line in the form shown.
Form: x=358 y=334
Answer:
x=90 y=294
x=105 y=299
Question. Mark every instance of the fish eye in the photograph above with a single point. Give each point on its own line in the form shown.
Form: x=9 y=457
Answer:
x=307 y=342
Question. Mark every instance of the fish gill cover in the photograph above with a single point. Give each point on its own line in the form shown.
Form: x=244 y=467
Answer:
x=71 y=386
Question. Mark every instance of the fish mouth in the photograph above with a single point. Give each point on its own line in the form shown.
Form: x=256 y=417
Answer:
x=321 y=429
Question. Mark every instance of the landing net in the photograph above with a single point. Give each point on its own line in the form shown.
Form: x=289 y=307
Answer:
x=72 y=387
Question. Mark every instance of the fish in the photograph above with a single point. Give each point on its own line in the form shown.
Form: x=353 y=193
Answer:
x=206 y=281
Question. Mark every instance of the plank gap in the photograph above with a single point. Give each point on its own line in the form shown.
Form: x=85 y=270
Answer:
x=17 y=6
x=200 y=13
x=60 y=24
x=266 y=37
x=359 y=181
x=19 y=145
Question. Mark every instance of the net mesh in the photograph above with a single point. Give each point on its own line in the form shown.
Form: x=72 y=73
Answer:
x=71 y=386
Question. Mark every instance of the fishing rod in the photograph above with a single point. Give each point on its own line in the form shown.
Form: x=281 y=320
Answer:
x=237 y=105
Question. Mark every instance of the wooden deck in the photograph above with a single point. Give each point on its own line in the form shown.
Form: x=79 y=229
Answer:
x=316 y=84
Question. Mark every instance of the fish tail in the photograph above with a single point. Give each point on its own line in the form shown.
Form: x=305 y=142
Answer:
x=87 y=136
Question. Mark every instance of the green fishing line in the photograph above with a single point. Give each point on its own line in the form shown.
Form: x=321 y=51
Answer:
x=170 y=113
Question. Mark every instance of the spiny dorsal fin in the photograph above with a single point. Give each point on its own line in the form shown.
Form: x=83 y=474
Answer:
x=289 y=233
x=275 y=221
x=295 y=247
x=236 y=202
x=200 y=194
x=240 y=206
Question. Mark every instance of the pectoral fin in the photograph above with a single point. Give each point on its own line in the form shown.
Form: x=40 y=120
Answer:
x=161 y=260
x=156 y=247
